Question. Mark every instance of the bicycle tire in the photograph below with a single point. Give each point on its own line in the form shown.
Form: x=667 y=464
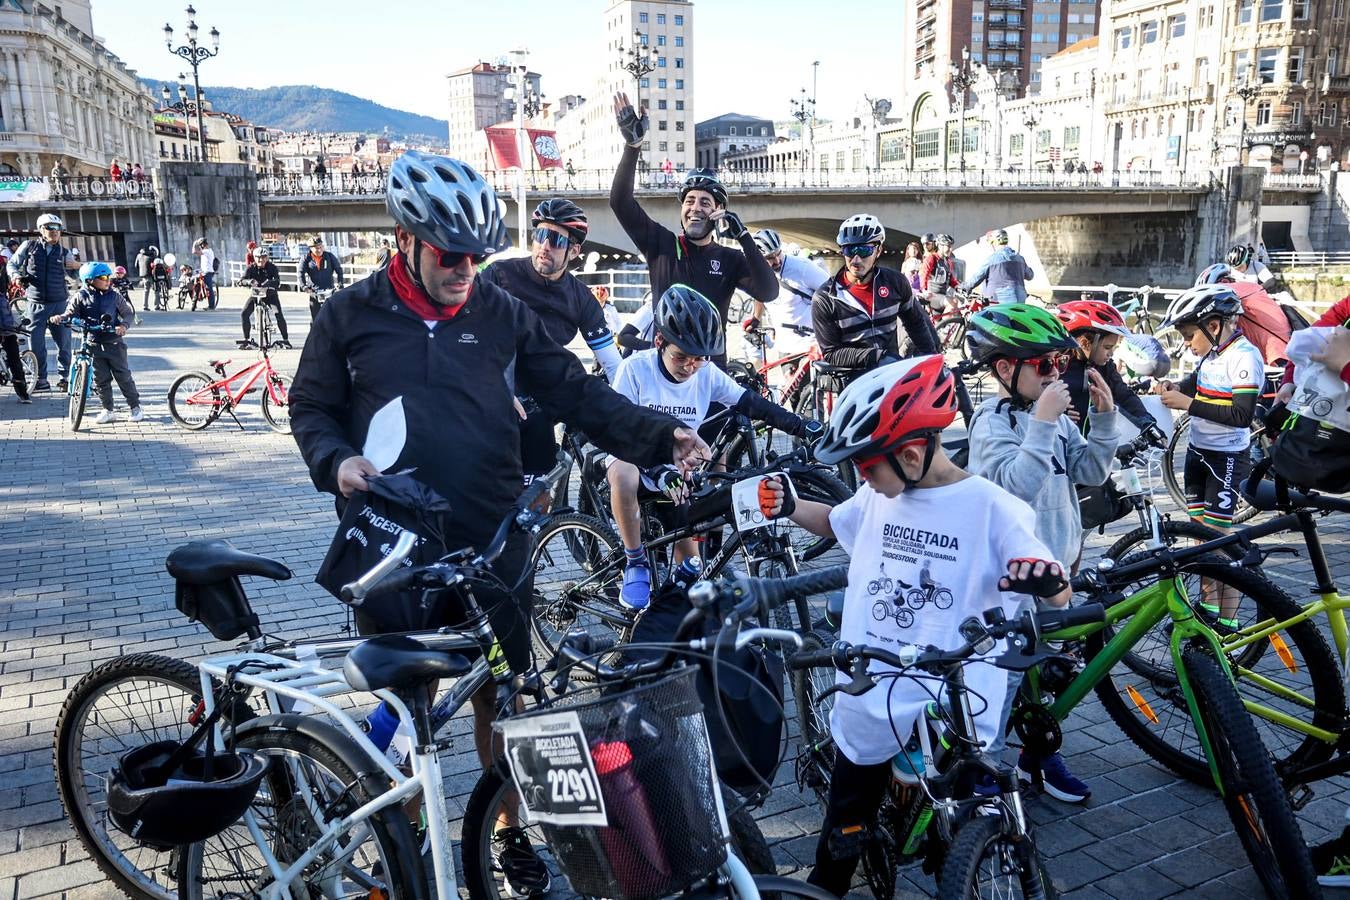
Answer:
x=79 y=392
x=188 y=385
x=224 y=863
x=1252 y=793
x=276 y=420
x=567 y=550
x=804 y=404
x=815 y=760
x=29 y=366
x=821 y=486
x=951 y=331
x=780 y=887
x=1161 y=724
x=131 y=866
x=480 y=821
x=1174 y=463
x=974 y=843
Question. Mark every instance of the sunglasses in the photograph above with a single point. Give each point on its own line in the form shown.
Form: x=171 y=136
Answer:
x=448 y=259
x=51 y=227
x=1049 y=365
x=862 y=251
x=555 y=239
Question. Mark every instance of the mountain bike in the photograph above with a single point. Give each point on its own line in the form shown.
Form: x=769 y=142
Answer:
x=196 y=399
x=978 y=845
x=952 y=323
x=639 y=763
x=80 y=385
x=1145 y=321
x=317 y=298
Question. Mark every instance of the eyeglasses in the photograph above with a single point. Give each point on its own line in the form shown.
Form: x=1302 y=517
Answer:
x=862 y=251
x=680 y=358
x=448 y=259
x=1057 y=364
x=555 y=239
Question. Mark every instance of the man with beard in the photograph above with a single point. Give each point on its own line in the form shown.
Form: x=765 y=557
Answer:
x=563 y=304
x=692 y=258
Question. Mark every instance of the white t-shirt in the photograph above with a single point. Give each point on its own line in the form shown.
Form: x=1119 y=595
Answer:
x=1223 y=375
x=1256 y=274
x=641 y=380
x=938 y=553
x=800 y=279
x=208 y=261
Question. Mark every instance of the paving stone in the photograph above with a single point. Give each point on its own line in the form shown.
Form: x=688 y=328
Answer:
x=1140 y=883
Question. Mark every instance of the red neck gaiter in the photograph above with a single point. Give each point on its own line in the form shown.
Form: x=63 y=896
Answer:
x=414 y=296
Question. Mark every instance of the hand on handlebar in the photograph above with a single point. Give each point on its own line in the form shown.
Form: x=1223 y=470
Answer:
x=750 y=324
x=669 y=481
x=1037 y=577
x=1154 y=435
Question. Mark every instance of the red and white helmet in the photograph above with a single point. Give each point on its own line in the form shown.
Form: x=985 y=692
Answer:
x=1098 y=315
x=890 y=406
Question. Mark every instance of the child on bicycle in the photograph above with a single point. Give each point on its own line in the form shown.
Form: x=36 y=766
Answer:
x=917 y=511
x=98 y=303
x=673 y=376
x=1098 y=328
x=1024 y=442
x=263 y=274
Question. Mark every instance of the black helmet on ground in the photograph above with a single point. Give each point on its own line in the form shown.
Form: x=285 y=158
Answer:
x=687 y=319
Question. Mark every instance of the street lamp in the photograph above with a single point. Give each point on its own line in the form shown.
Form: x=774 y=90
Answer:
x=195 y=54
x=528 y=103
x=962 y=79
x=187 y=107
x=803 y=109
x=1246 y=91
x=1031 y=121
x=637 y=62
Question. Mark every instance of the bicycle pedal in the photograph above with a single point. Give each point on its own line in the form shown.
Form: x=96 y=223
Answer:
x=1300 y=795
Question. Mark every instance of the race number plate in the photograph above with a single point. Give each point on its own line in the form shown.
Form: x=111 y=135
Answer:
x=745 y=502
x=552 y=768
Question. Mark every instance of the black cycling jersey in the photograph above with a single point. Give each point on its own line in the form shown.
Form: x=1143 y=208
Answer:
x=851 y=336
x=565 y=306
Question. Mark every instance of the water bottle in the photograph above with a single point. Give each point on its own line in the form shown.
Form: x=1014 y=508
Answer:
x=907 y=765
x=687 y=572
x=380 y=726
x=632 y=840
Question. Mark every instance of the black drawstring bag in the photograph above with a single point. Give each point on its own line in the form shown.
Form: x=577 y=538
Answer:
x=369 y=528
x=1312 y=455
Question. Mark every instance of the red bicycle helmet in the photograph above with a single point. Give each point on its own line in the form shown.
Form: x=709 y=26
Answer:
x=1098 y=315
x=889 y=406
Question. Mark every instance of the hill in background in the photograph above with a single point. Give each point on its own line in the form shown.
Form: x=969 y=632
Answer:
x=308 y=108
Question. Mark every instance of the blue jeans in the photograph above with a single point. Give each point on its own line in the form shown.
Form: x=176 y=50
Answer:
x=41 y=312
x=211 y=289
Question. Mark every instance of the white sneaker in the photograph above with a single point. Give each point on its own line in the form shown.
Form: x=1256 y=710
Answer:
x=136 y=414
x=105 y=417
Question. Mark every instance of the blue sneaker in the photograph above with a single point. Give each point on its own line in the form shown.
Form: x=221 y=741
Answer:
x=1060 y=783
x=637 y=586
x=986 y=786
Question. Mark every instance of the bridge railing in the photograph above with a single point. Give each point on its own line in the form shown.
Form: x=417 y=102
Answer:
x=1292 y=181
x=86 y=188
x=1286 y=259
x=289 y=269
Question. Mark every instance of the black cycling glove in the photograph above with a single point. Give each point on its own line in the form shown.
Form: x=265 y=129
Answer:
x=1047 y=584
x=632 y=128
x=731 y=226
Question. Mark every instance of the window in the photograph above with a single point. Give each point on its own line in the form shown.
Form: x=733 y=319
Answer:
x=1272 y=10
x=679 y=20
x=1295 y=67
x=661 y=83
x=764 y=131
x=1145 y=84
x=1300 y=9
x=660 y=40
x=679 y=104
x=977 y=55
x=1071 y=137
x=1296 y=113
x=660 y=62
x=1176 y=26
x=642 y=17
x=890 y=150
x=953 y=146
x=660 y=104
x=857 y=159
x=1265 y=65
x=1074 y=18
x=1043 y=140
x=977 y=18
x=661 y=125
x=663 y=146
x=731 y=130
x=679 y=62
x=977 y=39
x=1148 y=32
x=1036 y=76
x=646 y=82
x=1016 y=146
x=679 y=125
x=1122 y=38
x=679 y=40
x=1244 y=12
x=1037 y=37
x=1338 y=9
x=1242 y=61
x=1035 y=58
x=1051 y=18
x=926 y=144
x=660 y=18
x=1038 y=18
x=679 y=84
x=679 y=146
x=1263 y=113
x=1333 y=61
x=839 y=161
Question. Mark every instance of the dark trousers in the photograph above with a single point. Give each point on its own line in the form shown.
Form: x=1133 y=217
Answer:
x=13 y=362
x=272 y=301
x=110 y=361
x=211 y=290
x=855 y=795
x=60 y=334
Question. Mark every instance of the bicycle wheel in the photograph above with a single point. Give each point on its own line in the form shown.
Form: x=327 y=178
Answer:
x=578 y=572
x=1252 y=793
x=277 y=409
x=984 y=862
x=1174 y=467
x=1292 y=672
x=308 y=785
x=123 y=704
x=28 y=359
x=494 y=794
x=79 y=392
x=193 y=402
x=951 y=331
x=820 y=485
x=815 y=760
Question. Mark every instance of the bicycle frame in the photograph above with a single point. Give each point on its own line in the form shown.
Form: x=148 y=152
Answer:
x=232 y=399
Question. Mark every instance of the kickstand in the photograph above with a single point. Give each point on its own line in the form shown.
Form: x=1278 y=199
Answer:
x=236 y=419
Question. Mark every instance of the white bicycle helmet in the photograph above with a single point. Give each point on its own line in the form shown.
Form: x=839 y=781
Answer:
x=768 y=242
x=860 y=229
x=1202 y=302
x=1143 y=356
x=50 y=219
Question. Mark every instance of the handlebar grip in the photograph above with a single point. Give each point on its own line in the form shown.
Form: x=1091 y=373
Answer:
x=393 y=583
x=531 y=494
x=1087 y=614
x=774 y=592
x=813 y=660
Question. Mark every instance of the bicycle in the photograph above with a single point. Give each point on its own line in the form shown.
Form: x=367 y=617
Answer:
x=927 y=592
x=317 y=298
x=81 y=382
x=641 y=855
x=1147 y=322
x=27 y=358
x=952 y=323
x=973 y=843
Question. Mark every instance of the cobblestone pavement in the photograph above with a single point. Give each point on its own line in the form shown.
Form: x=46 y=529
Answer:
x=87 y=519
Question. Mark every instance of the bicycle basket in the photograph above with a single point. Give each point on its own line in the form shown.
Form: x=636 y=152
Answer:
x=649 y=752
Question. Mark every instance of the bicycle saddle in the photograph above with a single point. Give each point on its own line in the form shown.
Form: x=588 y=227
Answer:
x=1265 y=496
x=219 y=363
x=399 y=662
x=209 y=562
x=823 y=368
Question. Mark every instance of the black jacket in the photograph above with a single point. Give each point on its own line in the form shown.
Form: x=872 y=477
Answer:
x=1127 y=401
x=455 y=382
x=263 y=276
x=851 y=337
x=320 y=274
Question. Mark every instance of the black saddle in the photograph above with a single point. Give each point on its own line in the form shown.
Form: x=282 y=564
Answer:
x=210 y=562
x=824 y=368
x=399 y=662
x=1268 y=496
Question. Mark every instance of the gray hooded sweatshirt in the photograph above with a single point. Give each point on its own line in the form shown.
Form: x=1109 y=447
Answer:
x=1040 y=462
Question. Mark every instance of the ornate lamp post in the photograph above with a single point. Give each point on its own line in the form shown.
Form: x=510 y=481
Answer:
x=1246 y=91
x=803 y=110
x=528 y=103
x=637 y=62
x=962 y=79
x=1031 y=121
x=195 y=54
x=187 y=107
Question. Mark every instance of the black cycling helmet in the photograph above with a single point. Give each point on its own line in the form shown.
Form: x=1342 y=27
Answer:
x=946 y=239
x=184 y=805
x=1240 y=254
x=704 y=180
x=565 y=214
x=445 y=203
x=687 y=319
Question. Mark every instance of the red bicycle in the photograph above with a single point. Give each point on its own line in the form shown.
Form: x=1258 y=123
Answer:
x=197 y=399
x=951 y=322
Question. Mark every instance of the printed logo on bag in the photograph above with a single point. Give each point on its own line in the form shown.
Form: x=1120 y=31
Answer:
x=356 y=534
x=883 y=292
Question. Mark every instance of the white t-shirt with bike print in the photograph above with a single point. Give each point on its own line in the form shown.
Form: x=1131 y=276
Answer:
x=920 y=564
x=641 y=380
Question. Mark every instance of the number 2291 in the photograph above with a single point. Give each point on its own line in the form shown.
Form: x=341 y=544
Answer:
x=571 y=785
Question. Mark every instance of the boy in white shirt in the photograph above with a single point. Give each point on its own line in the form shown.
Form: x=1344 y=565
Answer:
x=674 y=376
x=917 y=512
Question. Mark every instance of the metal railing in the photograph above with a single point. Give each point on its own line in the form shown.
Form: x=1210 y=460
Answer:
x=1311 y=181
x=87 y=188
x=289 y=270
x=1287 y=259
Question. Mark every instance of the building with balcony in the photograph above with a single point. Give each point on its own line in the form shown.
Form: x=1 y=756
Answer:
x=727 y=134
x=64 y=96
x=478 y=100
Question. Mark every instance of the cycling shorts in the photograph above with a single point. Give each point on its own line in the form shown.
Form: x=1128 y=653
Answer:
x=1213 y=479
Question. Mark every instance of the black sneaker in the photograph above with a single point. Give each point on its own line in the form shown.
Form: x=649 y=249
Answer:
x=523 y=871
x=21 y=390
x=1332 y=861
x=41 y=386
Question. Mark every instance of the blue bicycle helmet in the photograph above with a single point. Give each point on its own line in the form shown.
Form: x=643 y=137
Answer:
x=91 y=270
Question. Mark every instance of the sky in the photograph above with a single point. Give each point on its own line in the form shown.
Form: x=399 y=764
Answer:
x=750 y=56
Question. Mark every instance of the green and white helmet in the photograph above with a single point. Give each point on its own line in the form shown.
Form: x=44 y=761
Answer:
x=1016 y=331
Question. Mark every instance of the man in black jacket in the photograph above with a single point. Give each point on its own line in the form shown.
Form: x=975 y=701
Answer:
x=692 y=258
x=263 y=274
x=417 y=366
x=319 y=269
x=856 y=313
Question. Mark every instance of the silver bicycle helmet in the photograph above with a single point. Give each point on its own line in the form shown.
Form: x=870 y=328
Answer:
x=687 y=319
x=1203 y=302
x=768 y=242
x=446 y=204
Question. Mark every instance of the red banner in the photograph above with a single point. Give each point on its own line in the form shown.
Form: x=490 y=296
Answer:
x=502 y=143
x=546 y=150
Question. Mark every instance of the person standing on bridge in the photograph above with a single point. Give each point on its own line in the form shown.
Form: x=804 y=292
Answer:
x=40 y=265
x=1005 y=270
x=691 y=258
